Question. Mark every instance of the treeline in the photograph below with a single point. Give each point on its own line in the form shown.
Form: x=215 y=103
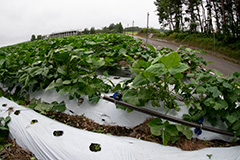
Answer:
x=112 y=28
x=201 y=16
x=39 y=37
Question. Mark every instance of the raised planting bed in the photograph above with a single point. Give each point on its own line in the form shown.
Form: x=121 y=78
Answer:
x=71 y=74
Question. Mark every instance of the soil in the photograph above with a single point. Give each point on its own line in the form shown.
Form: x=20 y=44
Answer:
x=141 y=131
x=14 y=151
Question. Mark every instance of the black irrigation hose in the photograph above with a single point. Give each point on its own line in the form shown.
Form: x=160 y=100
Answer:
x=170 y=118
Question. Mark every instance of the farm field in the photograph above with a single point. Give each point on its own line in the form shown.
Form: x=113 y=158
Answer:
x=81 y=66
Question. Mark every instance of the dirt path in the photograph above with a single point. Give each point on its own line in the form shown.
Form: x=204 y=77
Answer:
x=220 y=64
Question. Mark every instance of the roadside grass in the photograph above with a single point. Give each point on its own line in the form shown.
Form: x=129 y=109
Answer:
x=130 y=33
x=230 y=51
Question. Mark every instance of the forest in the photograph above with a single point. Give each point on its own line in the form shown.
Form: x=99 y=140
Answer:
x=205 y=16
x=200 y=22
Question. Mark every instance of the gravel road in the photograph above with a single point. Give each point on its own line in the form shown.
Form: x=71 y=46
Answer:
x=222 y=65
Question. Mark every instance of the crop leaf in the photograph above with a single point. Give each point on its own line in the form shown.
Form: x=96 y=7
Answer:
x=43 y=107
x=64 y=90
x=99 y=63
x=151 y=48
x=215 y=92
x=217 y=72
x=231 y=118
x=157 y=69
x=220 y=104
x=66 y=82
x=209 y=102
x=227 y=85
x=139 y=80
x=3 y=128
x=59 y=107
x=200 y=89
x=51 y=86
x=155 y=126
x=122 y=51
x=166 y=130
x=185 y=130
x=170 y=60
x=94 y=97
x=61 y=71
x=236 y=126
x=108 y=60
x=178 y=69
x=131 y=96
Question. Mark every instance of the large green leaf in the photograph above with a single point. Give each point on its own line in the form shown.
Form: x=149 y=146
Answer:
x=67 y=82
x=236 y=125
x=170 y=60
x=131 y=96
x=122 y=51
x=151 y=48
x=51 y=86
x=215 y=92
x=185 y=130
x=200 y=89
x=157 y=69
x=59 y=107
x=227 y=85
x=139 y=80
x=108 y=60
x=99 y=63
x=64 y=90
x=178 y=69
x=166 y=136
x=4 y=128
x=231 y=118
x=156 y=126
x=61 y=70
x=144 y=93
x=94 y=97
x=220 y=104
x=166 y=130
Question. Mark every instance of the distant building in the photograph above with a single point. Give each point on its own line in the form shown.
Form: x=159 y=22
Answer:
x=64 y=34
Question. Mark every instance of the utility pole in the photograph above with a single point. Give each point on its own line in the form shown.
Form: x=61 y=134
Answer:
x=147 y=26
x=132 y=27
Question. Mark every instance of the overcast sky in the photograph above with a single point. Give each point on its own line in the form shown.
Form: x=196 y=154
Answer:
x=19 y=19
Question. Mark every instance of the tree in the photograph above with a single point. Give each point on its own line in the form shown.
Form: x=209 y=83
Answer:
x=33 y=38
x=201 y=16
x=164 y=11
x=119 y=28
x=39 y=37
x=112 y=26
x=191 y=8
x=85 y=31
x=170 y=13
x=92 y=30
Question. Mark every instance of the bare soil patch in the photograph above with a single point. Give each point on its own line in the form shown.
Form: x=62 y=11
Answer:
x=141 y=131
x=13 y=151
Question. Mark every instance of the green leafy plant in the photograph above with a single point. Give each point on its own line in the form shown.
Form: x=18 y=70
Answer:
x=44 y=107
x=153 y=81
x=71 y=66
x=215 y=98
x=168 y=131
x=67 y=64
x=209 y=156
x=4 y=130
